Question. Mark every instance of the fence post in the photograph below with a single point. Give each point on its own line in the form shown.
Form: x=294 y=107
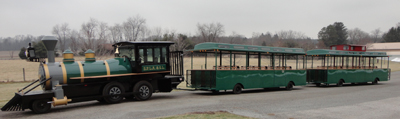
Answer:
x=23 y=70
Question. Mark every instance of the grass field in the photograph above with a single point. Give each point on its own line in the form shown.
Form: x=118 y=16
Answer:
x=6 y=55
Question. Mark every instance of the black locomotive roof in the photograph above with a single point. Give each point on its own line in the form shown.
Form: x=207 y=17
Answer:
x=142 y=42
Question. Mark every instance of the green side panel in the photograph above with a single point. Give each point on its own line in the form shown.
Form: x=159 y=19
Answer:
x=298 y=77
x=348 y=75
x=96 y=68
x=227 y=79
x=72 y=69
x=119 y=66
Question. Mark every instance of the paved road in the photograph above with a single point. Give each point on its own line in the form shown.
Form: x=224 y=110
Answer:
x=349 y=101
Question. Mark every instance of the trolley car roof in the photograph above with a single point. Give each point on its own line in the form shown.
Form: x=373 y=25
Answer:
x=211 y=47
x=142 y=42
x=324 y=52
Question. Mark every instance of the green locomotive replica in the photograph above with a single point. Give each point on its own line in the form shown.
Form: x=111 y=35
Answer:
x=138 y=70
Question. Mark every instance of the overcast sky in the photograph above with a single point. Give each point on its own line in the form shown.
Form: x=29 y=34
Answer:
x=245 y=17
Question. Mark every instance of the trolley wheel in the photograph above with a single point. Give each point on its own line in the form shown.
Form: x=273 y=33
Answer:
x=318 y=84
x=289 y=86
x=41 y=106
x=340 y=83
x=237 y=89
x=375 y=82
x=113 y=88
x=143 y=90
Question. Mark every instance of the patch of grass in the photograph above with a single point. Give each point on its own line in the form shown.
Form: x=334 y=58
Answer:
x=7 y=91
x=207 y=115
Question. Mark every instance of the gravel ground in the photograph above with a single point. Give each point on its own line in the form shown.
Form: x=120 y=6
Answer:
x=349 y=101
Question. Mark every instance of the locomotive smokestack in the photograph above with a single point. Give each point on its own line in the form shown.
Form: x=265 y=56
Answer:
x=50 y=43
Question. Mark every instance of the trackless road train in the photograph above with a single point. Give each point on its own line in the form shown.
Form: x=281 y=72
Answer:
x=140 y=69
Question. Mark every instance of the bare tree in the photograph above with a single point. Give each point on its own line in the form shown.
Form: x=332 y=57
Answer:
x=62 y=35
x=376 y=35
x=88 y=31
x=181 y=43
x=74 y=37
x=357 y=36
x=116 y=33
x=134 y=27
x=292 y=39
x=210 y=32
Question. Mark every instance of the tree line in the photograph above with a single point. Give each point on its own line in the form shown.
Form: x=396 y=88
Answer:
x=97 y=35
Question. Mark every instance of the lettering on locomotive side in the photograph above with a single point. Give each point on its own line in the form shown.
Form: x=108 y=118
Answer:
x=160 y=67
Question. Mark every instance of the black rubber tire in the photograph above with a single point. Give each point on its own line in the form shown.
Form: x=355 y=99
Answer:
x=289 y=86
x=41 y=106
x=375 y=82
x=237 y=89
x=113 y=88
x=144 y=90
x=318 y=84
x=340 y=83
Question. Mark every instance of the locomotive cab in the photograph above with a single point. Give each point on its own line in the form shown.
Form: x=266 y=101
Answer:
x=145 y=56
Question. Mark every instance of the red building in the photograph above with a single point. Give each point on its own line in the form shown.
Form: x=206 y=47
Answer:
x=347 y=47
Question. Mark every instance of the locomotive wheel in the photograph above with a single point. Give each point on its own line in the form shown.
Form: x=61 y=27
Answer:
x=237 y=89
x=40 y=106
x=113 y=88
x=375 y=82
x=340 y=83
x=289 y=86
x=143 y=90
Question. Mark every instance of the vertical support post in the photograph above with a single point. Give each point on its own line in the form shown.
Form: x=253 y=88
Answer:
x=306 y=62
x=312 y=62
x=230 y=60
x=334 y=61
x=205 y=65
x=359 y=61
x=220 y=58
x=279 y=59
x=373 y=62
x=327 y=63
x=297 y=61
x=273 y=61
x=285 y=59
x=259 y=61
x=369 y=61
x=247 y=60
x=388 y=63
x=352 y=61
x=234 y=59
x=216 y=57
x=191 y=60
x=342 y=61
x=381 y=62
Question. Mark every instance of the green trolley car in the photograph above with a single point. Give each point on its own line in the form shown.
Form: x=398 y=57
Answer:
x=236 y=67
x=335 y=66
